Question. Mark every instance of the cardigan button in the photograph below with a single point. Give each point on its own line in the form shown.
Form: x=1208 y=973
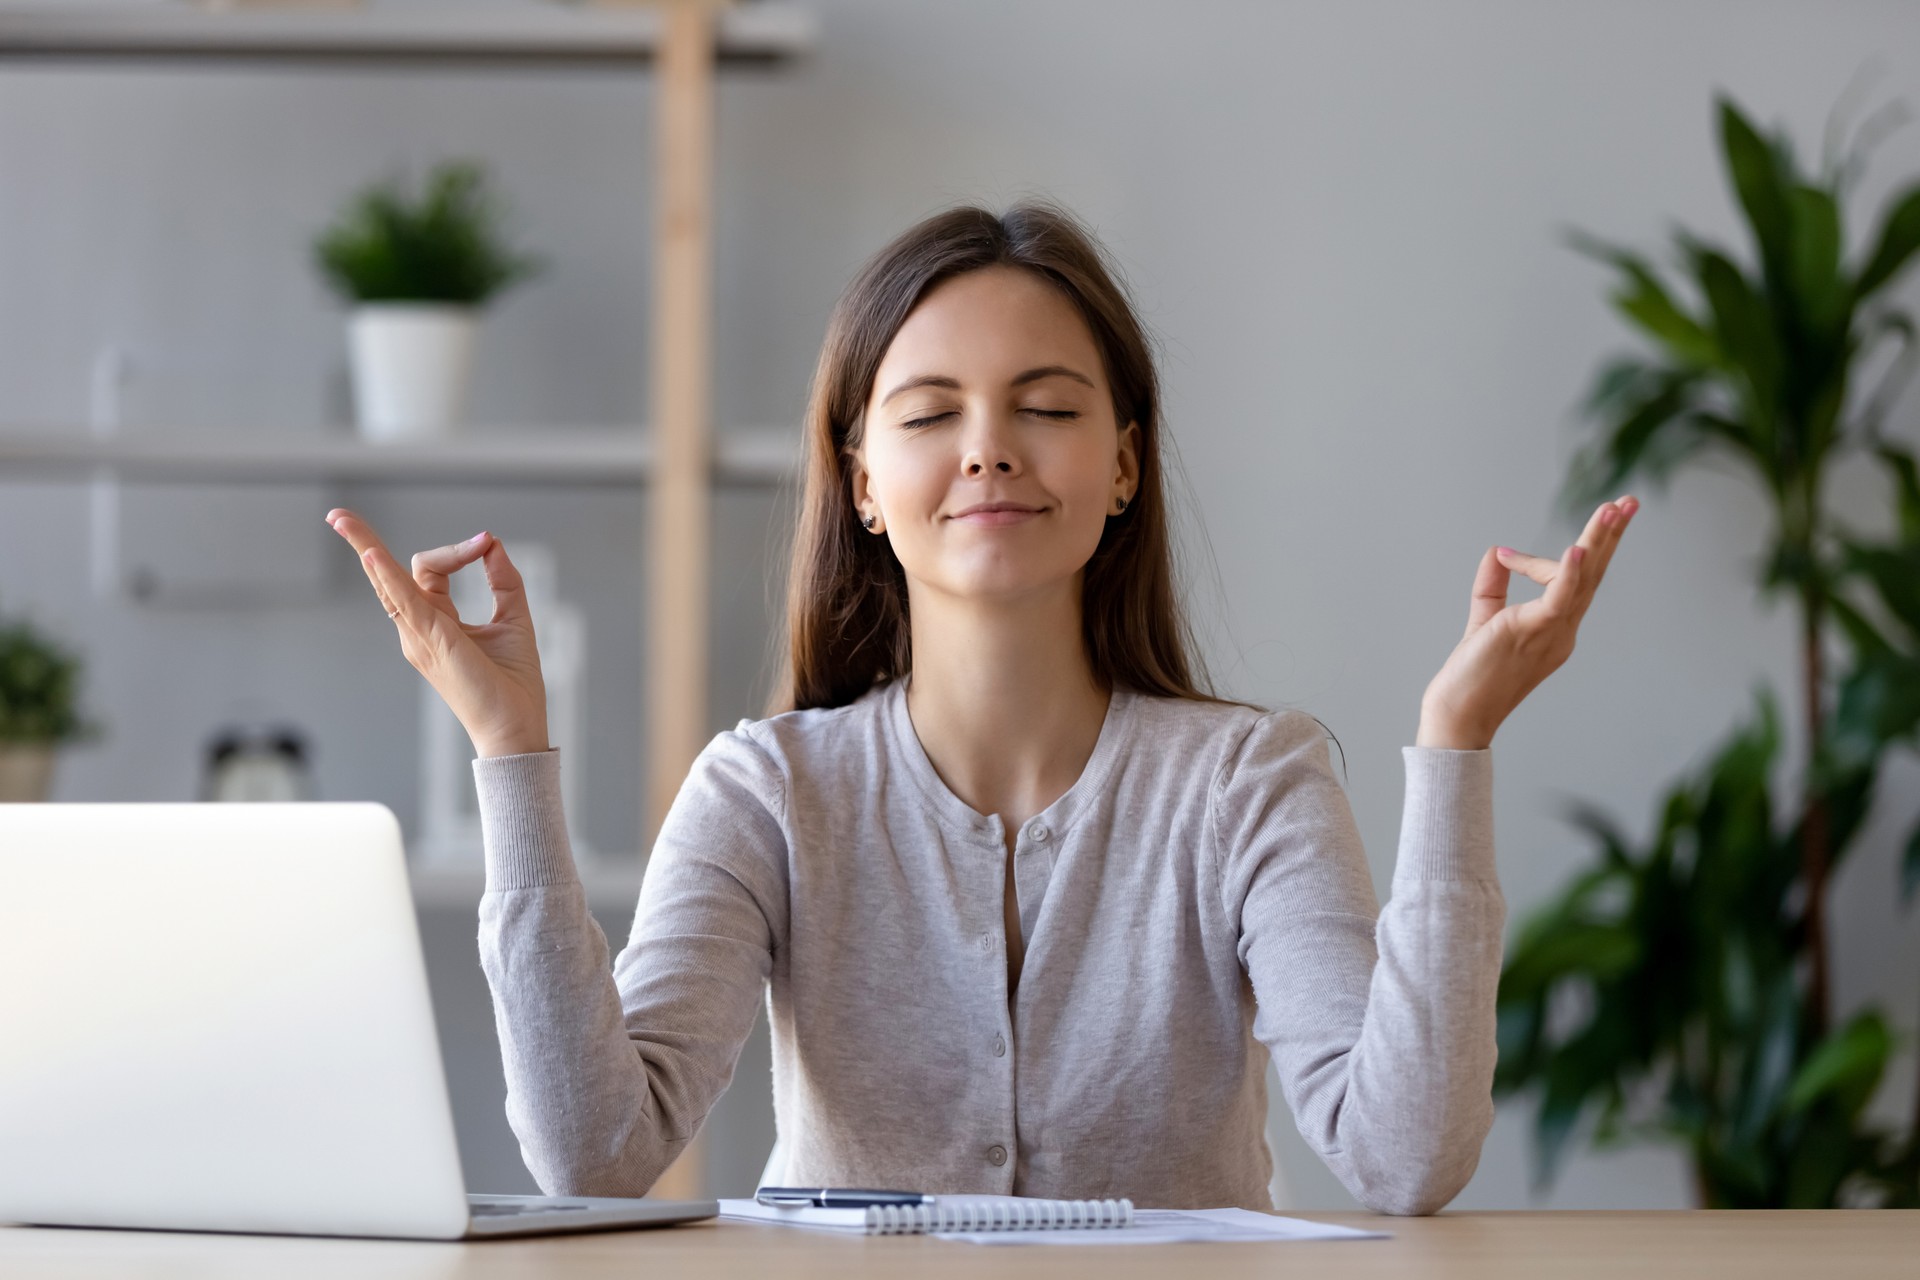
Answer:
x=1037 y=831
x=996 y=1154
x=999 y=1046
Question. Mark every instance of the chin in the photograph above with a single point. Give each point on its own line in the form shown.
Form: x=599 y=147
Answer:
x=1006 y=581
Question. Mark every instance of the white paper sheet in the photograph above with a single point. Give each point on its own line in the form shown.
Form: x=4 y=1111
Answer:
x=1170 y=1226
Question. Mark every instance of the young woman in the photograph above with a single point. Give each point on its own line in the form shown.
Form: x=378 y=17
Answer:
x=1029 y=907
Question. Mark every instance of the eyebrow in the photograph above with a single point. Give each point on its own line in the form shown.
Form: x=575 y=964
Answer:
x=1019 y=380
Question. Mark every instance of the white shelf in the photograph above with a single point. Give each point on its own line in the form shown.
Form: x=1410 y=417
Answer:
x=609 y=885
x=538 y=31
x=525 y=455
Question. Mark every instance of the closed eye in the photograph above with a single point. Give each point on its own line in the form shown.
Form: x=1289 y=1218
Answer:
x=1059 y=414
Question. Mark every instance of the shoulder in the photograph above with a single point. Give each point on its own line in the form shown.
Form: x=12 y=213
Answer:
x=798 y=744
x=1222 y=738
x=793 y=736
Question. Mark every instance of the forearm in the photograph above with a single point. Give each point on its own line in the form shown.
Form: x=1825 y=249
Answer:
x=579 y=1096
x=1419 y=1090
x=1382 y=1022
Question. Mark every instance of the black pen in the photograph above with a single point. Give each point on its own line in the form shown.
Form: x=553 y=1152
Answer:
x=838 y=1197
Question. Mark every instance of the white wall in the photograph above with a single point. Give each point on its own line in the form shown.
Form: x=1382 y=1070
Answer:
x=1341 y=219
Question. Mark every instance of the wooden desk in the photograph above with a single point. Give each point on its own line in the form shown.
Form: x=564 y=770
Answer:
x=1822 y=1244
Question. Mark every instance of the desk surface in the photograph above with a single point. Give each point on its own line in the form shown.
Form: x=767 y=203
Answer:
x=1750 y=1245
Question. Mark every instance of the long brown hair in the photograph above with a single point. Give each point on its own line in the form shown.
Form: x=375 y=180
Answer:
x=847 y=627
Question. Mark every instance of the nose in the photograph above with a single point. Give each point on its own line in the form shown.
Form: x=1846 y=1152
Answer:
x=989 y=447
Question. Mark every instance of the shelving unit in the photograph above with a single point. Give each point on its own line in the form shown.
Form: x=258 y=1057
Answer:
x=541 y=32
x=681 y=42
x=572 y=455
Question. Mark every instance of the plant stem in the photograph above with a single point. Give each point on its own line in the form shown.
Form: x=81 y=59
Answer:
x=1913 y=1127
x=1813 y=842
x=1702 y=1189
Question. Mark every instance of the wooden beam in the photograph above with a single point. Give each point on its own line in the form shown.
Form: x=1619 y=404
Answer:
x=679 y=535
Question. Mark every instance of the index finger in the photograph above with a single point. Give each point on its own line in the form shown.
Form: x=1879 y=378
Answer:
x=1602 y=536
x=398 y=594
x=348 y=524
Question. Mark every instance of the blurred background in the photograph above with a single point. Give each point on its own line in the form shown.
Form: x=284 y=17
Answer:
x=1344 y=223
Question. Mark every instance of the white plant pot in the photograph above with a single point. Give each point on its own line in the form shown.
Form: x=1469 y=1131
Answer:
x=26 y=771
x=411 y=365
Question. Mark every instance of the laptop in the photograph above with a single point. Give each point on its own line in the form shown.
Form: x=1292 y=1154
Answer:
x=215 y=1017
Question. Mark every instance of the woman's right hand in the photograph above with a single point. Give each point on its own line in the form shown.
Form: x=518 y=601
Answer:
x=489 y=675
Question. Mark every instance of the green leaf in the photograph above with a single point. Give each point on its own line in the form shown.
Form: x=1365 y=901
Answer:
x=1910 y=868
x=1898 y=237
x=1620 y=381
x=1818 y=1163
x=1893 y=573
x=1571 y=906
x=1768 y=1069
x=1645 y=302
x=1738 y=436
x=1652 y=439
x=1847 y=787
x=1758 y=181
x=1906 y=481
x=1517 y=1028
x=1879 y=703
x=1560 y=1108
x=1596 y=822
x=1601 y=952
x=1744 y=327
x=1745 y=761
x=1846 y=1066
x=442 y=247
x=1893 y=379
x=1861 y=633
x=1788 y=565
x=1823 y=293
x=39 y=687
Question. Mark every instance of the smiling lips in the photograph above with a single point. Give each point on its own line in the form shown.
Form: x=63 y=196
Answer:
x=992 y=514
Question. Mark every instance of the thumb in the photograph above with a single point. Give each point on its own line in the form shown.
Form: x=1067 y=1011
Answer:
x=509 y=591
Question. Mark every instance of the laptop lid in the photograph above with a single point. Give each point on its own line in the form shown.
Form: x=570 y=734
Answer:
x=216 y=1017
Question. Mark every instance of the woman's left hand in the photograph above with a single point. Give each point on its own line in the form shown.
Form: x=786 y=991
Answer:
x=1509 y=650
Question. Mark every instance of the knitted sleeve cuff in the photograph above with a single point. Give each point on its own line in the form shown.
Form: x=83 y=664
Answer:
x=523 y=826
x=1446 y=827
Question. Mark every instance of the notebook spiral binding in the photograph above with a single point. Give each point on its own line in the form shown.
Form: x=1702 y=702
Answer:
x=960 y=1214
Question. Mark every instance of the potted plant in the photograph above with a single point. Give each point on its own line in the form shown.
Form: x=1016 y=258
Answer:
x=38 y=684
x=1679 y=989
x=416 y=273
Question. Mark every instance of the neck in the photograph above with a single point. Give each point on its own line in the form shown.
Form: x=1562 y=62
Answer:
x=1003 y=698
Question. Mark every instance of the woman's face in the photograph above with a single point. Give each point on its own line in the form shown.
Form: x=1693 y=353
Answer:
x=993 y=391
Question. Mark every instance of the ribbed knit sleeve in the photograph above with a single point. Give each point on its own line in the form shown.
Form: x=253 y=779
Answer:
x=1381 y=1022
x=612 y=1069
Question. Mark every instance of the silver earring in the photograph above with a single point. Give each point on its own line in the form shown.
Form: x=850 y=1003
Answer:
x=1123 y=504
x=866 y=523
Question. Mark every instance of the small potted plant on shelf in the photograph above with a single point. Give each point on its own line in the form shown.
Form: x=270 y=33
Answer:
x=417 y=273
x=38 y=689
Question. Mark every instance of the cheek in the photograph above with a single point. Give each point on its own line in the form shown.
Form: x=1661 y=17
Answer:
x=920 y=490
x=1081 y=472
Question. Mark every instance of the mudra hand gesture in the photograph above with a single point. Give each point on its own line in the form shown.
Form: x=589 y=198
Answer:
x=1508 y=650
x=488 y=674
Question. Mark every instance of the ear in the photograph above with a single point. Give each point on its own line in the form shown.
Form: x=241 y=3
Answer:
x=861 y=488
x=1128 y=462
x=858 y=481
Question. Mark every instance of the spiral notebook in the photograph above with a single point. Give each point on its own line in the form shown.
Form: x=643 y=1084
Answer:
x=945 y=1213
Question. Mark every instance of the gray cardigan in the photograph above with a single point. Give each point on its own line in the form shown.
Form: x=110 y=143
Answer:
x=1197 y=900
